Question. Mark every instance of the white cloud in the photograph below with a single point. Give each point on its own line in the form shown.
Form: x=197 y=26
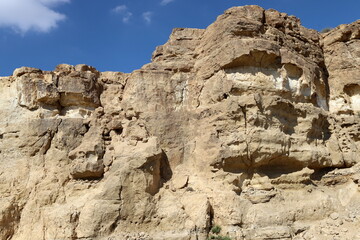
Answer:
x=166 y=2
x=147 y=16
x=127 y=17
x=120 y=9
x=53 y=2
x=124 y=12
x=27 y=15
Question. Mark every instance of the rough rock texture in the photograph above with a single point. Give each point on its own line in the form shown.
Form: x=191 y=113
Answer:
x=252 y=124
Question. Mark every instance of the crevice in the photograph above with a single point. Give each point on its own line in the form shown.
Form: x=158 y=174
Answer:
x=258 y=100
x=74 y=219
x=266 y=60
x=243 y=109
x=319 y=129
x=198 y=96
x=51 y=137
x=165 y=169
x=211 y=218
x=106 y=137
x=320 y=173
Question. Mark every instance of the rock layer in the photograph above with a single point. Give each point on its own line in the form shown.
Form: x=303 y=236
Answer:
x=251 y=124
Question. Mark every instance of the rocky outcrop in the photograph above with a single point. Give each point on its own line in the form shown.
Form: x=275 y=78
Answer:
x=251 y=124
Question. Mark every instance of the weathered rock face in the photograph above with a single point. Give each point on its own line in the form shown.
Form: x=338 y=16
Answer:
x=252 y=125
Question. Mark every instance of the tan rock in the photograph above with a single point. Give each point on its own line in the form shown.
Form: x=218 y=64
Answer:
x=303 y=176
x=251 y=124
x=79 y=88
x=23 y=70
x=180 y=181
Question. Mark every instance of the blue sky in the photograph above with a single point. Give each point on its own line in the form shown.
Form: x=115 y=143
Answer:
x=120 y=35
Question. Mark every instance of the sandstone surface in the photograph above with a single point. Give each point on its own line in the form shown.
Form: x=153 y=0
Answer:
x=252 y=124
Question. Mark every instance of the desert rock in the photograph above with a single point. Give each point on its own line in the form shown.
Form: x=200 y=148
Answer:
x=251 y=124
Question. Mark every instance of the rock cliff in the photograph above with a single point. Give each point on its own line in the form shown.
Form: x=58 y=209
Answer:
x=252 y=124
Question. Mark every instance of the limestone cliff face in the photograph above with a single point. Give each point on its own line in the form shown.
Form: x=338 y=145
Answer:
x=252 y=124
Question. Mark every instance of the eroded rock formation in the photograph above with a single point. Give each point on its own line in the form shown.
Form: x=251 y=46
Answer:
x=252 y=124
